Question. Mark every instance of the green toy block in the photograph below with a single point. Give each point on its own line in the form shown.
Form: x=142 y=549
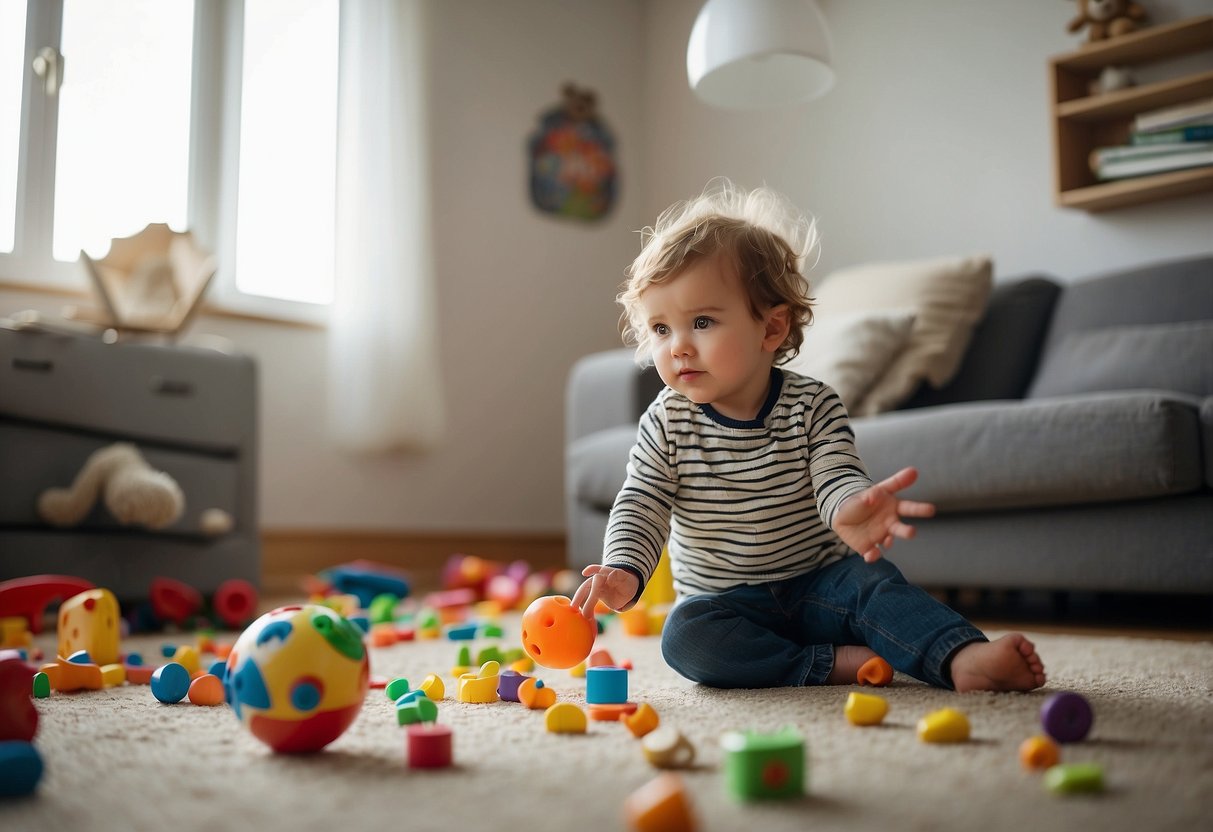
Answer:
x=427 y=620
x=42 y=685
x=465 y=657
x=764 y=766
x=514 y=654
x=396 y=688
x=419 y=709
x=383 y=608
x=1074 y=778
x=492 y=631
x=489 y=654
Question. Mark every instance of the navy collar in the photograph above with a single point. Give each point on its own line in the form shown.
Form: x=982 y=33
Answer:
x=758 y=421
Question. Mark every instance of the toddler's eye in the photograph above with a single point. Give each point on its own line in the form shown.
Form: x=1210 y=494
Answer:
x=661 y=330
x=703 y=322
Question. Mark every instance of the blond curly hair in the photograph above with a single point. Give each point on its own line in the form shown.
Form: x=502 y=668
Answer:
x=760 y=233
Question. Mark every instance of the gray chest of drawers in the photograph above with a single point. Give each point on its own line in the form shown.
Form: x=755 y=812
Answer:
x=191 y=412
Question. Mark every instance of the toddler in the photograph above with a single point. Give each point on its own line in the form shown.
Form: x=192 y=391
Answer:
x=750 y=474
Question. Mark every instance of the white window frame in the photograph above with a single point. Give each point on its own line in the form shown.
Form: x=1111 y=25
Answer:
x=213 y=162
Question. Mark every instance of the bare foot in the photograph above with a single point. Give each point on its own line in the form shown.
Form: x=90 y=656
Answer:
x=1010 y=663
x=847 y=660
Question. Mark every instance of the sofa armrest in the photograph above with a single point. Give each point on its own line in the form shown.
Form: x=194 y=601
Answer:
x=1206 y=437
x=606 y=390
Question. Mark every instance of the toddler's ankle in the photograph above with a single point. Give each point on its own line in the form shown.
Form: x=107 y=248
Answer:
x=848 y=658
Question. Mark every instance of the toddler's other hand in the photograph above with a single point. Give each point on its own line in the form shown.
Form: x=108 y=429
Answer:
x=614 y=587
x=870 y=520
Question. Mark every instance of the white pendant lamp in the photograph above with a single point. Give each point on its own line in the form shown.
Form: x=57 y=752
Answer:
x=750 y=54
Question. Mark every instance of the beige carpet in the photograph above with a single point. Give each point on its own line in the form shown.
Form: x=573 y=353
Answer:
x=118 y=759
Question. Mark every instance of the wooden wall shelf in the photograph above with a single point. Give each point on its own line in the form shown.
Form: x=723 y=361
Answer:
x=1082 y=122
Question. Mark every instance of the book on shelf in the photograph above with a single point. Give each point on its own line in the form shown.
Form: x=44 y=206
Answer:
x=1177 y=115
x=1127 y=166
x=1103 y=155
x=1192 y=133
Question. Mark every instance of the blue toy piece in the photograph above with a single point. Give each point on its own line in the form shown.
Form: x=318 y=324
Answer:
x=605 y=685
x=80 y=657
x=170 y=683
x=133 y=659
x=461 y=632
x=20 y=768
x=365 y=584
x=218 y=669
x=362 y=622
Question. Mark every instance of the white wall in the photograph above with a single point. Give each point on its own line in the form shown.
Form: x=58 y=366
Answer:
x=935 y=140
x=521 y=295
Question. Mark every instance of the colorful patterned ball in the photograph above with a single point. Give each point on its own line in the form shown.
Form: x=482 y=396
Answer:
x=297 y=677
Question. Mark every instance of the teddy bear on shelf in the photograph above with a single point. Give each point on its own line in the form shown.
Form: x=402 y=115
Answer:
x=1107 y=18
x=133 y=491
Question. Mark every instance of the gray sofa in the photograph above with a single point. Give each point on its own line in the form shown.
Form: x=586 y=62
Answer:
x=1073 y=451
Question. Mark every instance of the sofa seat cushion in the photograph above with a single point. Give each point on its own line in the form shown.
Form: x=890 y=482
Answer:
x=1090 y=448
x=597 y=465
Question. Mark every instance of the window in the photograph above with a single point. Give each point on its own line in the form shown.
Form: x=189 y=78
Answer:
x=220 y=117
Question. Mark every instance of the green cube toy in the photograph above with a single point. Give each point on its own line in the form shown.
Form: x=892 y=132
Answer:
x=764 y=766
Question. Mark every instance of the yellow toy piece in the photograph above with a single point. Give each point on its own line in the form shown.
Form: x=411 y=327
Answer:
x=433 y=687
x=865 y=709
x=14 y=633
x=577 y=671
x=89 y=621
x=944 y=725
x=188 y=658
x=113 y=675
x=660 y=588
x=635 y=622
x=565 y=718
x=523 y=665
x=480 y=687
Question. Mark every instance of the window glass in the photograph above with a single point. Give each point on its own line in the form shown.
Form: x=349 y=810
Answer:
x=12 y=53
x=288 y=150
x=124 y=121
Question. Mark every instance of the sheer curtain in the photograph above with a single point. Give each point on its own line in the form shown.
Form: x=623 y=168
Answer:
x=384 y=385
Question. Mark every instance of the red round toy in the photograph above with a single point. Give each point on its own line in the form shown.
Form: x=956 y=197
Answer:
x=555 y=634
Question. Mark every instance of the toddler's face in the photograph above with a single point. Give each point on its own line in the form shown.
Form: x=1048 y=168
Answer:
x=705 y=342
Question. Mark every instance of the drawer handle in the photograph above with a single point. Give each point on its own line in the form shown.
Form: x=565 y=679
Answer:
x=33 y=366
x=169 y=387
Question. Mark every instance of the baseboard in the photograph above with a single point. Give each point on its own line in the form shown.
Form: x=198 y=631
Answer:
x=288 y=556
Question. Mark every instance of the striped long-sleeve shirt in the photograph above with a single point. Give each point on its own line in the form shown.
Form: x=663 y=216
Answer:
x=738 y=502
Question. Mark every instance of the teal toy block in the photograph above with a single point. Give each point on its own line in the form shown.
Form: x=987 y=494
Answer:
x=461 y=632
x=764 y=766
x=606 y=685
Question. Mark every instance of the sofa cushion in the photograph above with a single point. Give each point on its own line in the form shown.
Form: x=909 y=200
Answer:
x=1206 y=426
x=1173 y=356
x=1090 y=448
x=1005 y=348
x=947 y=297
x=597 y=465
x=849 y=352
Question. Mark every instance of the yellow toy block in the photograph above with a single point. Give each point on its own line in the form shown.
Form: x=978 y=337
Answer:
x=188 y=657
x=944 y=725
x=578 y=671
x=523 y=665
x=14 y=632
x=865 y=709
x=660 y=588
x=113 y=675
x=433 y=688
x=89 y=621
x=565 y=718
x=635 y=622
x=480 y=687
x=657 y=617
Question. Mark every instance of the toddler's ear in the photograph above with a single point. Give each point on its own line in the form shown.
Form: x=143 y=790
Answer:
x=778 y=323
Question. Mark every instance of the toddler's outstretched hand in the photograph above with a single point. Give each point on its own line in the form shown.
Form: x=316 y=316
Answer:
x=868 y=521
x=614 y=587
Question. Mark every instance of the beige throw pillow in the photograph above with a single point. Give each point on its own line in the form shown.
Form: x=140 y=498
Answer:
x=947 y=296
x=849 y=352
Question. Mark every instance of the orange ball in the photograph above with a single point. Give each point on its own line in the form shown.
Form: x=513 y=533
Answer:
x=556 y=635
x=1038 y=753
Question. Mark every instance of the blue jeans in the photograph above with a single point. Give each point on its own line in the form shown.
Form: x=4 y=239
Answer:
x=783 y=633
